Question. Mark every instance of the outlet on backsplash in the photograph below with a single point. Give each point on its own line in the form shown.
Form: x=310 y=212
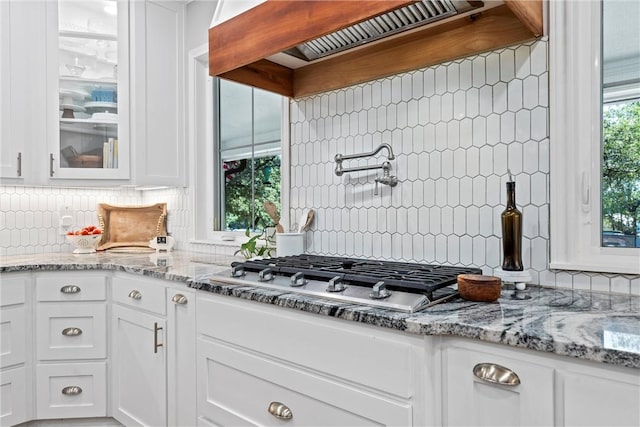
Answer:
x=65 y=219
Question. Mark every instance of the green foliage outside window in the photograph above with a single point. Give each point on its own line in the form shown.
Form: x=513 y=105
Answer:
x=242 y=211
x=621 y=168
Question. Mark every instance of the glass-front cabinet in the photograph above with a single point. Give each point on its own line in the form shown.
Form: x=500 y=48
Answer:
x=88 y=60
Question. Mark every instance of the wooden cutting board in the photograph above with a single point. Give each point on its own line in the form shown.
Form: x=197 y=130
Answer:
x=131 y=226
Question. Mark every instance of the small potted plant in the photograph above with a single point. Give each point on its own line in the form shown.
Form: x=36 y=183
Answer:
x=256 y=246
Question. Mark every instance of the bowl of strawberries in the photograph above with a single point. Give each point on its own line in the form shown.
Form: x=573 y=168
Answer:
x=85 y=240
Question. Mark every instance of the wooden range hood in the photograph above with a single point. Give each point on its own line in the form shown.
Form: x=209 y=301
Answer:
x=238 y=47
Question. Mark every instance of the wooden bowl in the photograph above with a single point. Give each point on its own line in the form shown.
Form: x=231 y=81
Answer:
x=475 y=287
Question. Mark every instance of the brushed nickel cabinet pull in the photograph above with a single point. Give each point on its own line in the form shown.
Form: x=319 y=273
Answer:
x=70 y=289
x=19 y=164
x=72 y=390
x=71 y=332
x=280 y=411
x=155 y=337
x=51 y=159
x=179 y=299
x=496 y=374
x=135 y=294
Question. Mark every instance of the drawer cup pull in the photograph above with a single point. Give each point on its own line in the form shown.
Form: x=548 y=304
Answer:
x=280 y=411
x=71 y=332
x=135 y=294
x=179 y=299
x=72 y=390
x=496 y=374
x=70 y=289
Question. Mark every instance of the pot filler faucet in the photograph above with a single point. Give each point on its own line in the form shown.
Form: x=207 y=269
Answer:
x=386 y=178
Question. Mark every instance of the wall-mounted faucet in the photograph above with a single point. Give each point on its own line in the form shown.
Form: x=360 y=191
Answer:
x=386 y=178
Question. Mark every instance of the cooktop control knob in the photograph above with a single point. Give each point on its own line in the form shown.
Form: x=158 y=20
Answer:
x=265 y=275
x=379 y=291
x=237 y=271
x=336 y=285
x=298 y=280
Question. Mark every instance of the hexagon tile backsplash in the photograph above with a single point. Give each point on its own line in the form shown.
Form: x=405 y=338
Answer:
x=455 y=129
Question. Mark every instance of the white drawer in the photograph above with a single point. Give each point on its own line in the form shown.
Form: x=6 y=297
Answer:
x=140 y=293
x=13 y=288
x=71 y=390
x=71 y=331
x=13 y=337
x=237 y=388
x=71 y=286
x=13 y=396
x=343 y=349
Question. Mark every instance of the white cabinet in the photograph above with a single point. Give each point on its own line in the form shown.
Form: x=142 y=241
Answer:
x=60 y=128
x=482 y=396
x=23 y=85
x=181 y=350
x=71 y=344
x=87 y=84
x=139 y=378
x=553 y=390
x=153 y=347
x=15 y=338
x=157 y=102
x=257 y=364
x=10 y=153
x=599 y=395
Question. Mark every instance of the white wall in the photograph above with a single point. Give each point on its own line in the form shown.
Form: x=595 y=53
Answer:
x=199 y=15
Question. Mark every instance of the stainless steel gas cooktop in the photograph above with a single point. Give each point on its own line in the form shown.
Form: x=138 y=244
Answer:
x=407 y=287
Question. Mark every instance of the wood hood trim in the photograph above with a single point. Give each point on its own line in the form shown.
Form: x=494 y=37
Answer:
x=237 y=47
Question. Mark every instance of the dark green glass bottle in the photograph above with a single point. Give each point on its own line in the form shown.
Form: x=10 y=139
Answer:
x=511 y=232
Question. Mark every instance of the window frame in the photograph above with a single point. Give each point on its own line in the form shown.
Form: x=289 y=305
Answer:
x=201 y=110
x=575 y=110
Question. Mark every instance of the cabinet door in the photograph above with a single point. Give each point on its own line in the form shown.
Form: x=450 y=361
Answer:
x=470 y=400
x=8 y=152
x=139 y=368
x=600 y=396
x=181 y=340
x=13 y=336
x=22 y=85
x=87 y=73
x=13 y=396
x=157 y=104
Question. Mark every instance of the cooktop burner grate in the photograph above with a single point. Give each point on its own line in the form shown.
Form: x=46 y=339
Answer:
x=410 y=277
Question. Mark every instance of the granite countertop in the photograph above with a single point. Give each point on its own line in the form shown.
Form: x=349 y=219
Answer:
x=586 y=325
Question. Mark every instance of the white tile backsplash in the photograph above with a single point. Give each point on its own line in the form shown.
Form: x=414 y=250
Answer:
x=455 y=129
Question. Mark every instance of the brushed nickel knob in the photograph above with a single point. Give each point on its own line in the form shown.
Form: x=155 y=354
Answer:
x=72 y=390
x=134 y=294
x=71 y=332
x=179 y=299
x=280 y=411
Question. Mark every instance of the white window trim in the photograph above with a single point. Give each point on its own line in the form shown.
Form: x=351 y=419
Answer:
x=200 y=127
x=575 y=135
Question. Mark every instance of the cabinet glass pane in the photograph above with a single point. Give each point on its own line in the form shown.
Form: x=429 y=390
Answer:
x=88 y=69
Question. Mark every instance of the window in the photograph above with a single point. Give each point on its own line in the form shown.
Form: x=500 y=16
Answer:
x=594 y=128
x=620 y=124
x=207 y=171
x=247 y=154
